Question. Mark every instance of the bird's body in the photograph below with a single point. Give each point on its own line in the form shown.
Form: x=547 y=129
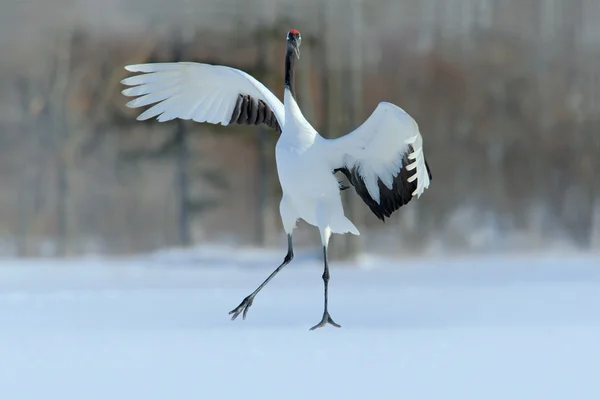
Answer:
x=310 y=191
x=383 y=158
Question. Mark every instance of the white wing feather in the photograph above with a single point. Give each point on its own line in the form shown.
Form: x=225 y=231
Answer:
x=377 y=146
x=200 y=92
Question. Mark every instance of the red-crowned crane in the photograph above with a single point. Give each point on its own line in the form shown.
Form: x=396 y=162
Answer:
x=383 y=158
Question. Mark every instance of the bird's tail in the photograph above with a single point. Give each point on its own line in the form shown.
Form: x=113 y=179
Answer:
x=344 y=225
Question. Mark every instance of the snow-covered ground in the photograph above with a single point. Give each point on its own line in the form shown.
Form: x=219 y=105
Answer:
x=513 y=327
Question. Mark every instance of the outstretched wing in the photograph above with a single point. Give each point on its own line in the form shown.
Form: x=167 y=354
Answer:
x=383 y=159
x=203 y=93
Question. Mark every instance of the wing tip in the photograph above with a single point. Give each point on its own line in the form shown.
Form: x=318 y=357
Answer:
x=156 y=66
x=131 y=104
x=146 y=67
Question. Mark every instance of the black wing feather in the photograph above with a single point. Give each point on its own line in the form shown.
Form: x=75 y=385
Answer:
x=249 y=111
x=390 y=199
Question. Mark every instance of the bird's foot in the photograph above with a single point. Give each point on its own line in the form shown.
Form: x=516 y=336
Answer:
x=243 y=307
x=326 y=320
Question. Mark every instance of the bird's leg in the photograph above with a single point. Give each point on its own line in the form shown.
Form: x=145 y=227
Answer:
x=247 y=302
x=326 y=317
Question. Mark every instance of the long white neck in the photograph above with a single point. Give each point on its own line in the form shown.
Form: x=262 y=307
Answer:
x=292 y=109
x=296 y=127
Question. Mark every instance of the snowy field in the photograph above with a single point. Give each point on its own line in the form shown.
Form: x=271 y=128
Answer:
x=156 y=327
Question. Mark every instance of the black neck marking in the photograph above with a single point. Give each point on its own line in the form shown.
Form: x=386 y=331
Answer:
x=290 y=61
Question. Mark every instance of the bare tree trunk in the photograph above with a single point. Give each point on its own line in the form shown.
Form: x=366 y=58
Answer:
x=304 y=88
x=23 y=205
x=262 y=203
x=58 y=111
x=325 y=123
x=182 y=164
x=595 y=188
x=182 y=172
x=23 y=214
x=62 y=183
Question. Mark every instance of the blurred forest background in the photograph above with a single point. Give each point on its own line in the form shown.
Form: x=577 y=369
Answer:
x=506 y=92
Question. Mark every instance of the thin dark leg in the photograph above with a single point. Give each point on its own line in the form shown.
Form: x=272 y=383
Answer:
x=247 y=302
x=326 y=317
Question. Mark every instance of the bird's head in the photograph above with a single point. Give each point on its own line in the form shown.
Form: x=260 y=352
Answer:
x=293 y=41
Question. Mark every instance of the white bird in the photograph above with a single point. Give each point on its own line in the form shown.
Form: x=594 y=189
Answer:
x=383 y=158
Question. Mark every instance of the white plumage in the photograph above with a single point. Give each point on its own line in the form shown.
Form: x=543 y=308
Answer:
x=207 y=93
x=200 y=92
x=383 y=158
x=376 y=147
